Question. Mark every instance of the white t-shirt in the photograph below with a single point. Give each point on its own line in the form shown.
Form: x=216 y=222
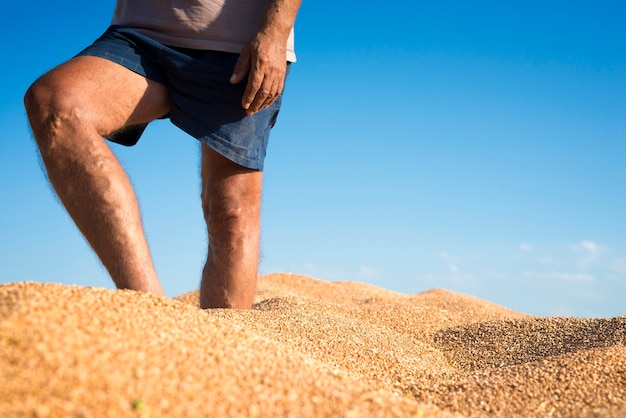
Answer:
x=218 y=25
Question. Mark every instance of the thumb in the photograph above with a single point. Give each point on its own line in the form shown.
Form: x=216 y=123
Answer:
x=241 y=67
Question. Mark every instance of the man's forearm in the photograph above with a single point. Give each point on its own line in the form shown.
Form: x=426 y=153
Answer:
x=280 y=17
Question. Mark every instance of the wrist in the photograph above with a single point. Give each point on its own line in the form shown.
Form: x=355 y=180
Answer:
x=276 y=31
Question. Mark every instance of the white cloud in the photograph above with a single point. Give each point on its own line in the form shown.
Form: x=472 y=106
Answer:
x=547 y=261
x=590 y=246
x=560 y=276
x=450 y=260
x=588 y=252
x=311 y=269
x=525 y=247
x=448 y=279
x=619 y=266
x=559 y=310
x=368 y=272
x=574 y=277
x=308 y=266
x=333 y=273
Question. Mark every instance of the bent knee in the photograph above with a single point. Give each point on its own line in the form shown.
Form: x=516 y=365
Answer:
x=42 y=99
x=52 y=111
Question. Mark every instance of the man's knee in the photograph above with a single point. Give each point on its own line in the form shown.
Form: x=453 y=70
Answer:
x=231 y=218
x=228 y=221
x=34 y=102
x=53 y=110
x=231 y=198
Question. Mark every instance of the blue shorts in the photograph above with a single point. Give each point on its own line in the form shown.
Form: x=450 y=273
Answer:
x=204 y=103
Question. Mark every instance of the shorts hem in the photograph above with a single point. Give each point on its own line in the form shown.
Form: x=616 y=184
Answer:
x=217 y=144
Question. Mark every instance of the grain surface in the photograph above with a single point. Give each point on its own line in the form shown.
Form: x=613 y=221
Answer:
x=309 y=348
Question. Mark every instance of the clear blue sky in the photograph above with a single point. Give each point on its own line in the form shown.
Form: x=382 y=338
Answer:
x=478 y=147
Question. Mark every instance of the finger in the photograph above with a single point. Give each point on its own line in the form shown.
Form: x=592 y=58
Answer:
x=270 y=91
x=273 y=95
x=259 y=100
x=255 y=89
x=241 y=67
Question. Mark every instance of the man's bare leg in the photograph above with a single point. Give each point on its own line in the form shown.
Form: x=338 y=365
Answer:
x=70 y=109
x=231 y=200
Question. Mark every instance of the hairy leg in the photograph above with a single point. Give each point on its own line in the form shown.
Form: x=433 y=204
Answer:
x=70 y=109
x=231 y=200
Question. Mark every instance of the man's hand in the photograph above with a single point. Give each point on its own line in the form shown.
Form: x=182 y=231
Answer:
x=265 y=58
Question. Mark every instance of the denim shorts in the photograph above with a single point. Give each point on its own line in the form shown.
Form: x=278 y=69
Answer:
x=204 y=103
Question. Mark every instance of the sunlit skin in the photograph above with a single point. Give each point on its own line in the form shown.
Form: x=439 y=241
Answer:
x=73 y=106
